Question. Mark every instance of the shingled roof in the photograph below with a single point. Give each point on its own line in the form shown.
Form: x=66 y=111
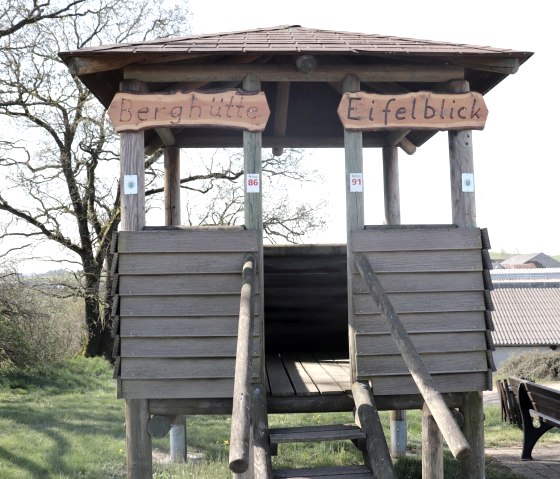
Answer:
x=526 y=316
x=384 y=64
x=297 y=39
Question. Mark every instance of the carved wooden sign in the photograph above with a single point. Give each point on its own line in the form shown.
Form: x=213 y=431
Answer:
x=422 y=110
x=229 y=109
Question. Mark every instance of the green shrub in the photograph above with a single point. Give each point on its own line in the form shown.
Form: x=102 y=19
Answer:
x=36 y=328
x=537 y=366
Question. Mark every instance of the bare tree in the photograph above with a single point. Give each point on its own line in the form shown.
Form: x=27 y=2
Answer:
x=15 y=15
x=59 y=156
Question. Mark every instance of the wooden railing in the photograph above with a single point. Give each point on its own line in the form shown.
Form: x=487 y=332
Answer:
x=242 y=391
x=418 y=370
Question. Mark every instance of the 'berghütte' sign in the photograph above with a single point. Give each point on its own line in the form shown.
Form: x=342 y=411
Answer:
x=230 y=109
x=416 y=111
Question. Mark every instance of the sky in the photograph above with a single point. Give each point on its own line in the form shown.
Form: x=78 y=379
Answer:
x=516 y=164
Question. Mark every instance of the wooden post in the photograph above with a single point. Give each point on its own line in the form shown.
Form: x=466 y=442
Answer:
x=132 y=182
x=172 y=202
x=393 y=217
x=172 y=185
x=261 y=446
x=391 y=185
x=462 y=170
x=138 y=439
x=354 y=208
x=368 y=419
x=432 y=446
x=464 y=215
x=252 y=154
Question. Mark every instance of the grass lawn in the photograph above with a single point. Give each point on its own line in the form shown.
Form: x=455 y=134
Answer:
x=67 y=423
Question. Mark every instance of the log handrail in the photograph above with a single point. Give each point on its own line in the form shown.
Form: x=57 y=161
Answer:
x=418 y=370
x=241 y=411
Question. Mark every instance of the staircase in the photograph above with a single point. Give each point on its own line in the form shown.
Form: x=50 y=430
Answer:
x=334 y=432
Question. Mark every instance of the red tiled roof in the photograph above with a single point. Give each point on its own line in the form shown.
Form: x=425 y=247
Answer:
x=526 y=316
x=297 y=39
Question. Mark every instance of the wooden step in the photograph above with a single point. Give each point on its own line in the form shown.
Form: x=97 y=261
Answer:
x=333 y=432
x=349 y=472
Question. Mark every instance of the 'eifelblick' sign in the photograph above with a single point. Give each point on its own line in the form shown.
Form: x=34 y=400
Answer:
x=416 y=111
x=229 y=109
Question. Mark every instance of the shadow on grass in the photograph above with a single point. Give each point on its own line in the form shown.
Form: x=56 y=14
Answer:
x=410 y=467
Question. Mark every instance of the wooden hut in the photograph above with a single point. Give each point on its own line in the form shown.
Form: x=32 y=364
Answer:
x=315 y=339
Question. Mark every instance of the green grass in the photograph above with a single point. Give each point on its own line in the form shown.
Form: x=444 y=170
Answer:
x=66 y=423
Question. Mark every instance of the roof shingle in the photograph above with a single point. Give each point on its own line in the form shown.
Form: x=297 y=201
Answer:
x=526 y=316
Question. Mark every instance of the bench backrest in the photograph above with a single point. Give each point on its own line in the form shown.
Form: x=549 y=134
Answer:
x=542 y=399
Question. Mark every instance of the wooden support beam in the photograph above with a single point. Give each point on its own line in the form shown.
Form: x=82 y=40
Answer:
x=172 y=186
x=407 y=146
x=455 y=439
x=391 y=191
x=332 y=73
x=261 y=441
x=291 y=141
x=473 y=428
x=464 y=215
x=281 y=113
x=368 y=419
x=507 y=66
x=138 y=439
x=432 y=446
x=306 y=64
x=252 y=165
x=391 y=185
x=394 y=137
x=132 y=180
x=353 y=154
x=166 y=135
x=462 y=170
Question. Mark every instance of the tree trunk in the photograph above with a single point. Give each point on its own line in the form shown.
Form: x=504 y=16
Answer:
x=98 y=324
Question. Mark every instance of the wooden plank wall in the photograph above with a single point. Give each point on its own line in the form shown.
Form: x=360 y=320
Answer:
x=306 y=301
x=435 y=278
x=177 y=308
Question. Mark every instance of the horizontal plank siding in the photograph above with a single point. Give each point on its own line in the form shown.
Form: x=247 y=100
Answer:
x=191 y=347
x=423 y=302
x=187 y=240
x=423 y=282
x=180 y=368
x=424 y=322
x=179 y=292
x=425 y=261
x=381 y=365
x=371 y=344
x=434 y=278
x=176 y=326
x=180 y=263
x=448 y=383
x=195 y=305
x=177 y=388
x=179 y=284
x=416 y=239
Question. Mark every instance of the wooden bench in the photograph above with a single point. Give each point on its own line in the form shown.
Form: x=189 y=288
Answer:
x=509 y=404
x=535 y=401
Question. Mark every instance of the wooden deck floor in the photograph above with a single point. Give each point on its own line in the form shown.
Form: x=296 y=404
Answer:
x=307 y=374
